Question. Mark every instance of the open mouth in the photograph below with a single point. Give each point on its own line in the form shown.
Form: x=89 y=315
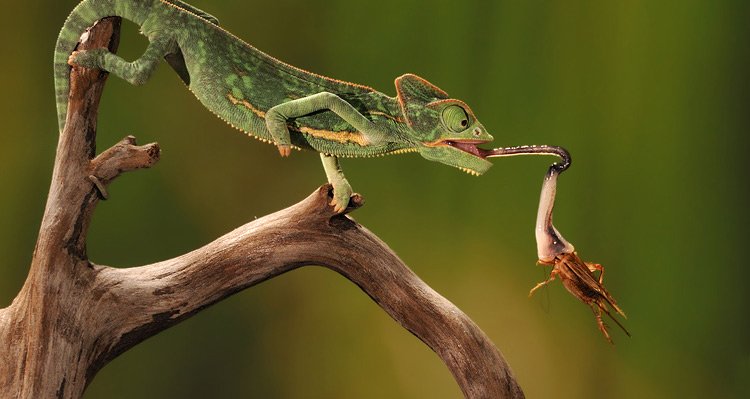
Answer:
x=469 y=146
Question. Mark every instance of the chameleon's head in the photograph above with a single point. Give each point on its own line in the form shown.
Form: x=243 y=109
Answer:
x=445 y=129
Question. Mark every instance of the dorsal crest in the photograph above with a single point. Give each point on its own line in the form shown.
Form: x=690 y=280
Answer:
x=411 y=90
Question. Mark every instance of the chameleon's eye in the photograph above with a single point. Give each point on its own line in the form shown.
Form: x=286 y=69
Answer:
x=455 y=118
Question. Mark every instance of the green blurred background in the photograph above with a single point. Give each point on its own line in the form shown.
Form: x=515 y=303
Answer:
x=650 y=97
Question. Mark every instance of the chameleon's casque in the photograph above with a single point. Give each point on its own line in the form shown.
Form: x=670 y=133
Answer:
x=276 y=102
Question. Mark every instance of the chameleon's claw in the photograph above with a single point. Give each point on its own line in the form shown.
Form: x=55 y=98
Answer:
x=337 y=207
x=76 y=58
x=340 y=202
x=285 y=150
x=72 y=58
x=86 y=58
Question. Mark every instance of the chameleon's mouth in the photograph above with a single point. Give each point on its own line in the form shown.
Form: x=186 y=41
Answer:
x=459 y=153
x=469 y=146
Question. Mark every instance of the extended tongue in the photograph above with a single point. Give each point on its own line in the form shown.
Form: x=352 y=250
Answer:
x=531 y=150
x=549 y=242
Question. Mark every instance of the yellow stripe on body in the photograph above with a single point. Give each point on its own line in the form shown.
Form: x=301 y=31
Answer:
x=339 y=137
x=246 y=104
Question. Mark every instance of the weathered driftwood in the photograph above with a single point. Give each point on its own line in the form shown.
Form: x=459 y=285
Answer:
x=72 y=317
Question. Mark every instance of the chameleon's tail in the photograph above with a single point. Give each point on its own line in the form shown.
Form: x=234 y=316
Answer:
x=82 y=17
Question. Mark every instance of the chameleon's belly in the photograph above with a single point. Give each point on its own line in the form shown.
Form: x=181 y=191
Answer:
x=229 y=94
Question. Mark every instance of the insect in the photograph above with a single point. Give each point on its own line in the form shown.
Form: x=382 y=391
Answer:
x=578 y=278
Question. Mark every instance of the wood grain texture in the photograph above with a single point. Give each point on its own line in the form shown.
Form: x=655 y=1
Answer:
x=72 y=317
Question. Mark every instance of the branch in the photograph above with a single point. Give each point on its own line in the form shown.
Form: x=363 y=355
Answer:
x=124 y=156
x=72 y=317
x=154 y=297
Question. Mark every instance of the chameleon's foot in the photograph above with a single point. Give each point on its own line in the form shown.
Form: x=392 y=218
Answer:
x=73 y=58
x=341 y=196
x=86 y=58
x=285 y=150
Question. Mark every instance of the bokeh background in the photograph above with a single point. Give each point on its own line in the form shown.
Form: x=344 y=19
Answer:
x=650 y=97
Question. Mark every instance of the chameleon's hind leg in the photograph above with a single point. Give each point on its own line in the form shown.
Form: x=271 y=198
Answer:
x=136 y=72
x=342 y=190
x=277 y=117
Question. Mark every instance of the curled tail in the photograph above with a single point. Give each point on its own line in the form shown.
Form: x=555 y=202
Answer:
x=84 y=15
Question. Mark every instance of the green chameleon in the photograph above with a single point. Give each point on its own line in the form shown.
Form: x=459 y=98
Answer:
x=274 y=101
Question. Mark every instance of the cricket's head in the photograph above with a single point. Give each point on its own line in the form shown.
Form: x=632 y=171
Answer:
x=444 y=129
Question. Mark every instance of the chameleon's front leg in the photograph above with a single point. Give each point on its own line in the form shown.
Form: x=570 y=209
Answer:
x=342 y=190
x=136 y=72
x=277 y=117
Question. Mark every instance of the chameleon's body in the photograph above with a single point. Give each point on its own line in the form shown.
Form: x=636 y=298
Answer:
x=274 y=101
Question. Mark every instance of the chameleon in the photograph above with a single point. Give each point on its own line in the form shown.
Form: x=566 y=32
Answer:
x=276 y=102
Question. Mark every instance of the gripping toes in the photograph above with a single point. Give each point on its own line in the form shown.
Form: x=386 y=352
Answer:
x=86 y=58
x=341 y=195
x=284 y=150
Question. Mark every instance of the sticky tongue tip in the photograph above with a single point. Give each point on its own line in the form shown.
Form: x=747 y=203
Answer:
x=550 y=243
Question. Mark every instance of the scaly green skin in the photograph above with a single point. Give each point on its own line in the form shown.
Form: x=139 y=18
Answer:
x=276 y=102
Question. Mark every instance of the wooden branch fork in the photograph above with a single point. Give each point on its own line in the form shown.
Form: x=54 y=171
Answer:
x=72 y=316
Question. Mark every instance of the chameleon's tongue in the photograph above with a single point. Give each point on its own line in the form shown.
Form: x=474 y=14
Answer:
x=530 y=150
x=549 y=242
x=467 y=146
x=576 y=275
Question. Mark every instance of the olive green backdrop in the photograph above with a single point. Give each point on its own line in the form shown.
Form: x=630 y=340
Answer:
x=650 y=97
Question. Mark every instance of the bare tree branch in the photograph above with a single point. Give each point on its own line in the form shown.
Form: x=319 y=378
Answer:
x=72 y=317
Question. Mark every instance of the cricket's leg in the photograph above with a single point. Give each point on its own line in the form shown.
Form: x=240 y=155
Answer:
x=543 y=283
x=594 y=267
x=136 y=72
x=600 y=323
x=342 y=190
x=277 y=117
